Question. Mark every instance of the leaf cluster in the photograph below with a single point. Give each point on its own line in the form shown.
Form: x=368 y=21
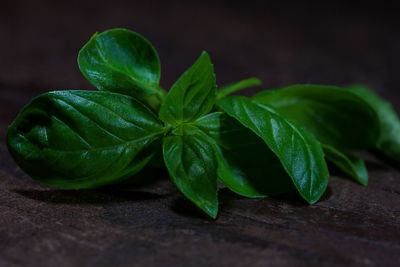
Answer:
x=271 y=143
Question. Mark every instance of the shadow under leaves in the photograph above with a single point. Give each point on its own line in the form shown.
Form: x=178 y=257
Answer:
x=185 y=207
x=390 y=162
x=88 y=196
x=293 y=198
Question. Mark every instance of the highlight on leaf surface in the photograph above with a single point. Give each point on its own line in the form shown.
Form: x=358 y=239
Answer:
x=80 y=139
x=192 y=95
x=122 y=61
x=190 y=159
x=299 y=152
x=245 y=163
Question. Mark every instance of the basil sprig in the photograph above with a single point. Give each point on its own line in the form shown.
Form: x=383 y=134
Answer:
x=272 y=143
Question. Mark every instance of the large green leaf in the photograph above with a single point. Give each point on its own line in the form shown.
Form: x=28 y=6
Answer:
x=299 y=152
x=78 y=139
x=243 y=157
x=190 y=159
x=193 y=95
x=334 y=115
x=348 y=163
x=389 y=139
x=237 y=86
x=121 y=61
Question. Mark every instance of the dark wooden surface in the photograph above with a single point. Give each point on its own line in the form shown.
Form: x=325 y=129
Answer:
x=151 y=224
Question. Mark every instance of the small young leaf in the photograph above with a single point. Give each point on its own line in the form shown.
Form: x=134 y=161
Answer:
x=80 y=139
x=193 y=95
x=121 y=61
x=350 y=164
x=389 y=139
x=299 y=152
x=191 y=163
x=234 y=87
x=334 y=115
x=245 y=163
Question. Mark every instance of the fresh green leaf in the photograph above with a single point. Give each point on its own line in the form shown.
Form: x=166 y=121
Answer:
x=190 y=159
x=389 y=138
x=122 y=61
x=349 y=164
x=193 y=95
x=79 y=139
x=242 y=158
x=299 y=152
x=234 y=87
x=334 y=115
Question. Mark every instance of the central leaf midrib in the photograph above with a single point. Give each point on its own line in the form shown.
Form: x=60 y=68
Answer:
x=97 y=148
x=129 y=75
x=109 y=109
x=308 y=154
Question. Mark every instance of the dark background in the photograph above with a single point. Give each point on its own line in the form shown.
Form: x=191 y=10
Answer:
x=337 y=43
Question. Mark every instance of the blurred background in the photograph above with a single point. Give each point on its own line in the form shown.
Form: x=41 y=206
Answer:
x=335 y=44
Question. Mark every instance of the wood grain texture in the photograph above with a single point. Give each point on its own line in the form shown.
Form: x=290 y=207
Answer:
x=151 y=224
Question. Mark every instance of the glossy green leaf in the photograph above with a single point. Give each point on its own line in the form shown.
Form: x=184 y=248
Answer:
x=121 y=61
x=348 y=163
x=389 y=138
x=79 y=139
x=299 y=152
x=190 y=159
x=334 y=115
x=193 y=95
x=237 y=86
x=243 y=157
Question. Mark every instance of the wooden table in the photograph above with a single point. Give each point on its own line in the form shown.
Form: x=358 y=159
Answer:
x=151 y=224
